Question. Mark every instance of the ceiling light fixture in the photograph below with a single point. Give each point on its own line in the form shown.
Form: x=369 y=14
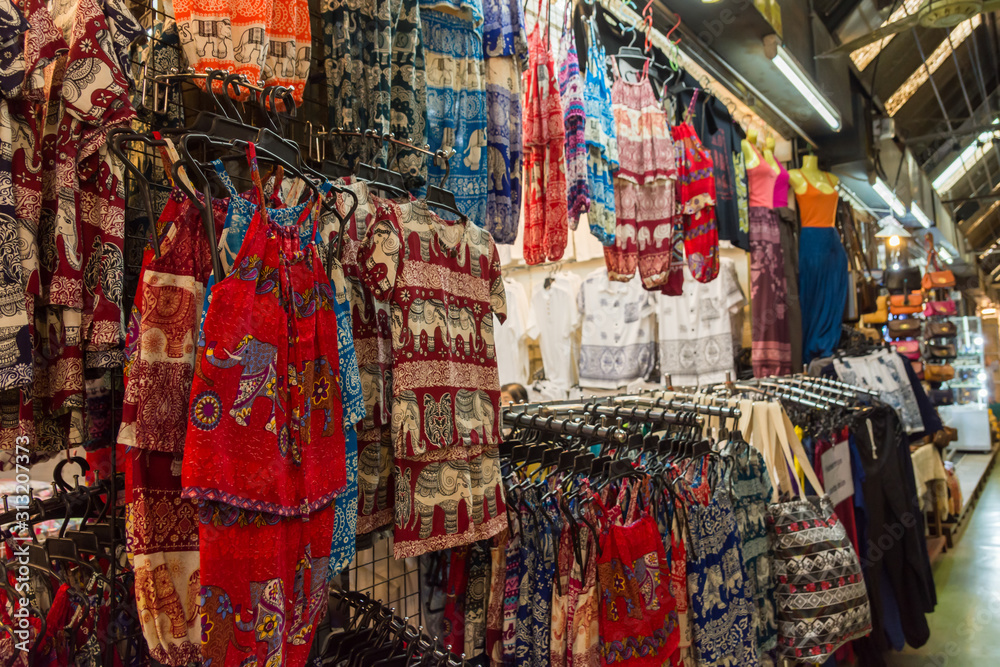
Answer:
x=793 y=71
x=966 y=160
x=945 y=255
x=889 y=197
x=921 y=217
x=988 y=311
x=929 y=66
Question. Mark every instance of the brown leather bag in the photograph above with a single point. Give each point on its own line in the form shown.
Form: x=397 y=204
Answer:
x=941 y=329
x=864 y=288
x=939 y=372
x=906 y=304
x=881 y=314
x=908 y=328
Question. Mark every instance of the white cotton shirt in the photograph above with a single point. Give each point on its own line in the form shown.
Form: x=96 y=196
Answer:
x=698 y=329
x=556 y=321
x=511 y=337
x=618 y=334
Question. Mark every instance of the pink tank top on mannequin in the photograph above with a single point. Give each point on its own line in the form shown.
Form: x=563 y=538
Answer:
x=761 y=180
x=781 y=187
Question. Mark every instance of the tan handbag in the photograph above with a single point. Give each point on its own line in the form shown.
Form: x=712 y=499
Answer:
x=936 y=279
x=881 y=314
x=939 y=372
x=906 y=304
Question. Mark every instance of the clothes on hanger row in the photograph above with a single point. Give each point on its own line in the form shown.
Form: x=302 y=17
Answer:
x=623 y=329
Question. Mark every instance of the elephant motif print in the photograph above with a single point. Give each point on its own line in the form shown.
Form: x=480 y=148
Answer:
x=484 y=471
x=266 y=618
x=403 y=509
x=406 y=422
x=427 y=318
x=443 y=484
x=438 y=426
x=158 y=602
x=474 y=415
x=258 y=377
x=374 y=465
x=319 y=381
x=168 y=313
x=462 y=323
x=218 y=626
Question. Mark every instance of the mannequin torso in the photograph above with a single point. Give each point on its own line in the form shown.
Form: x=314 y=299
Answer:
x=769 y=155
x=810 y=174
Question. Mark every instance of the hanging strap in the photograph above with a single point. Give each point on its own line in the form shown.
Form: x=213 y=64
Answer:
x=258 y=187
x=220 y=170
x=932 y=256
x=792 y=448
x=694 y=99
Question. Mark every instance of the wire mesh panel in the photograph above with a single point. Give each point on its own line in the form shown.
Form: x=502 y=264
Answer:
x=377 y=574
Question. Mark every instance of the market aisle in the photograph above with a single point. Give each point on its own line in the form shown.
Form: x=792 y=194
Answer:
x=966 y=622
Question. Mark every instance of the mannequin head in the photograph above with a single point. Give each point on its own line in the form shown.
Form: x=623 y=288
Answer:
x=810 y=163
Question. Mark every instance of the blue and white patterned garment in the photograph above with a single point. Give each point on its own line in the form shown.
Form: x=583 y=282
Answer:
x=602 y=142
x=505 y=46
x=456 y=107
x=883 y=372
x=346 y=503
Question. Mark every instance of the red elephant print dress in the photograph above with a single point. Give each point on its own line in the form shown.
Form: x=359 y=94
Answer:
x=265 y=448
x=442 y=281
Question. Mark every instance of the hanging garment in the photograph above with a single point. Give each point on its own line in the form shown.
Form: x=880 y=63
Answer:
x=226 y=36
x=823 y=288
x=638 y=626
x=162 y=526
x=771 y=349
x=456 y=107
x=358 y=41
x=511 y=592
x=373 y=348
x=696 y=202
x=749 y=486
x=477 y=592
x=506 y=50
x=444 y=285
x=788 y=228
x=644 y=188
x=602 y=143
x=496 y=599
x=721 y=603
x=545 y=216
x=408 y=92
x=722 y=137
x=781 y=187
x=561 y=619
x=289 y=47
x=585 y=632
x=698 y=332
x=575 y=120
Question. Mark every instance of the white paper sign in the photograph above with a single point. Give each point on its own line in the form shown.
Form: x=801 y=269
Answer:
x=837 y=478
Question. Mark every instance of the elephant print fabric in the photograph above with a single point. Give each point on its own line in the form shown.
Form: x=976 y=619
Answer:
x=545 y=215
x=442 y=281
x=644 y=186
x=456 y=107
x=637 y=618
x=265 y=422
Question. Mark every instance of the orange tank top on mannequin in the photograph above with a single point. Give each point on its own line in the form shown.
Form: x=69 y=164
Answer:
x=816 y=208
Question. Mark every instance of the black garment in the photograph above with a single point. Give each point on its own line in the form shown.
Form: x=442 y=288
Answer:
x=895 y=551
x=789 y=227
x=722 y=137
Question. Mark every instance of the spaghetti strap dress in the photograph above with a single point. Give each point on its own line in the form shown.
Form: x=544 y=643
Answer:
x=265 y=447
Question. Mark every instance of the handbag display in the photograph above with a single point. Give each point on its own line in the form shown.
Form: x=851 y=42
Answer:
x=937 y=308
x=906 y=304
x=908 y=348
x=908 y=328
x=901 y=281
x=936 y=279
x=939 y=372
x=941 y=397
x=941 y=329
x=946 y=435
x=881 y=314
x=947 y=351
x=812 y=553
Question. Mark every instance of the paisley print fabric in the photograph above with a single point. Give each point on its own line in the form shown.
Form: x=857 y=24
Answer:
x=772 y=347
x=602 y=143
x=505 y=48
x=696 y=202
x=545 y=215
x=358 y=41
x=456 y=107
x=443 y=283
x=265 y=429
x=478 y=588
x=575 y=119
x=496 y=599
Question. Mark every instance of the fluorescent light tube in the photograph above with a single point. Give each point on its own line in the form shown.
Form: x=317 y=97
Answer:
x=921 y=217
x=966 y=160
x=787 y=65
x=944 y=254
x=889 y=197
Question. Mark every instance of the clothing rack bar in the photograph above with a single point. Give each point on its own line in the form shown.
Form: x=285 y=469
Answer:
x=806 y=393
x=54 y=504
x=647 y=414
x=682 y=405
x=564 y=426
x=777 y=391
x=821 y=389
x=830 y=382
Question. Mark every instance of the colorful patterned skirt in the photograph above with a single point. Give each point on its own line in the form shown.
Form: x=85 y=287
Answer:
x=772 y=348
